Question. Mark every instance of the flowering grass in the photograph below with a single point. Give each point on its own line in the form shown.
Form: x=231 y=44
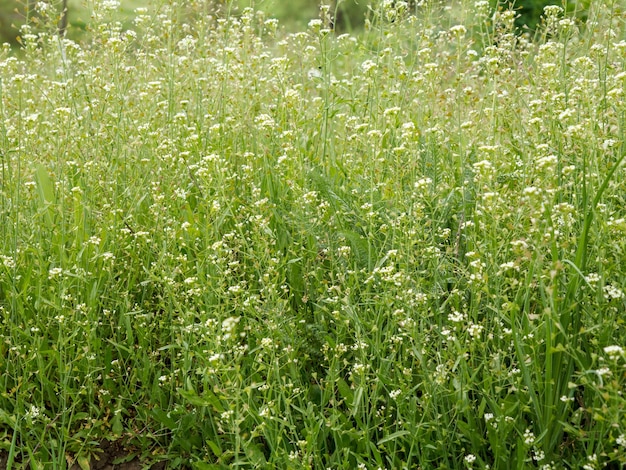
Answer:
x=223 y=245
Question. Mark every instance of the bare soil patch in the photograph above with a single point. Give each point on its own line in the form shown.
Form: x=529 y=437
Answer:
x=110 y=456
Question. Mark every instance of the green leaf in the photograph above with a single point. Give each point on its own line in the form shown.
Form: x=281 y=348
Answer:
x=116 y=424
x=345 y=391
x=214 y=448
x=44 y=185
x=45 y=189
x=83 y=462
x=392 y=436
x=8 y=419
x=255 y=454
x=359 y=245
x=207 y=466
x=358 y=396
x=33 y=462
x=207 y=399
x=192 y=397
x=163 y=418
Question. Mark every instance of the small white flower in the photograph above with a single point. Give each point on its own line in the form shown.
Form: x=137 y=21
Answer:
x=458 y=30
x=552 y=10
x=423 y=183
x=315 y=25
x=33 y=412
x=216 y=357
x=265 y=121
x=314 y=73
x=456 y=317
x=54 y=272
x=368 y=66
x=612 y=292
x=475 y=330
x=110 y=4
x=529 y=437
x=229 y=324
x=614 y=351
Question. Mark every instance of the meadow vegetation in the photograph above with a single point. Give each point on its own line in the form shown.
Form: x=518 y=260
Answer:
x=224 y=245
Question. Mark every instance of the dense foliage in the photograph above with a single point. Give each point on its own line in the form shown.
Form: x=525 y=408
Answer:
x=348 y=15
x=224 y=245
x=529 y=12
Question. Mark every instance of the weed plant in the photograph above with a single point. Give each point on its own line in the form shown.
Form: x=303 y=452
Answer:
x=227 y=246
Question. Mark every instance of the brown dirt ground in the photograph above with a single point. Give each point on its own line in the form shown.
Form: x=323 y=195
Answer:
x=108 y=453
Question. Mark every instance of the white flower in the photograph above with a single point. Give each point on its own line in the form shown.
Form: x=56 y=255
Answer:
x=188 y=43
x=368 y=66
x=456 y=317
x=552 y=10
x=265 y=121
x=475 y=330
x=529 y=437
x=458 y=30
x=7 y=261
x=229 y=324
x=423 y=183
x=110 y=4
x=33 y=412
x=612 y=292
x=315 y=24
x=614 y=351
x=54 y=272
x=314 y=73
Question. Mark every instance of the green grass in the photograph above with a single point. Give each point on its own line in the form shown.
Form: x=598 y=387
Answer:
x=227 y=245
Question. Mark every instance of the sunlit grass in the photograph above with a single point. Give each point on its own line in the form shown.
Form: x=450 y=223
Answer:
x=225 y=245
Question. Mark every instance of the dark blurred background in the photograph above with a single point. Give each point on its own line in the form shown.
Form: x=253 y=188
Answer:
x=293 y=14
